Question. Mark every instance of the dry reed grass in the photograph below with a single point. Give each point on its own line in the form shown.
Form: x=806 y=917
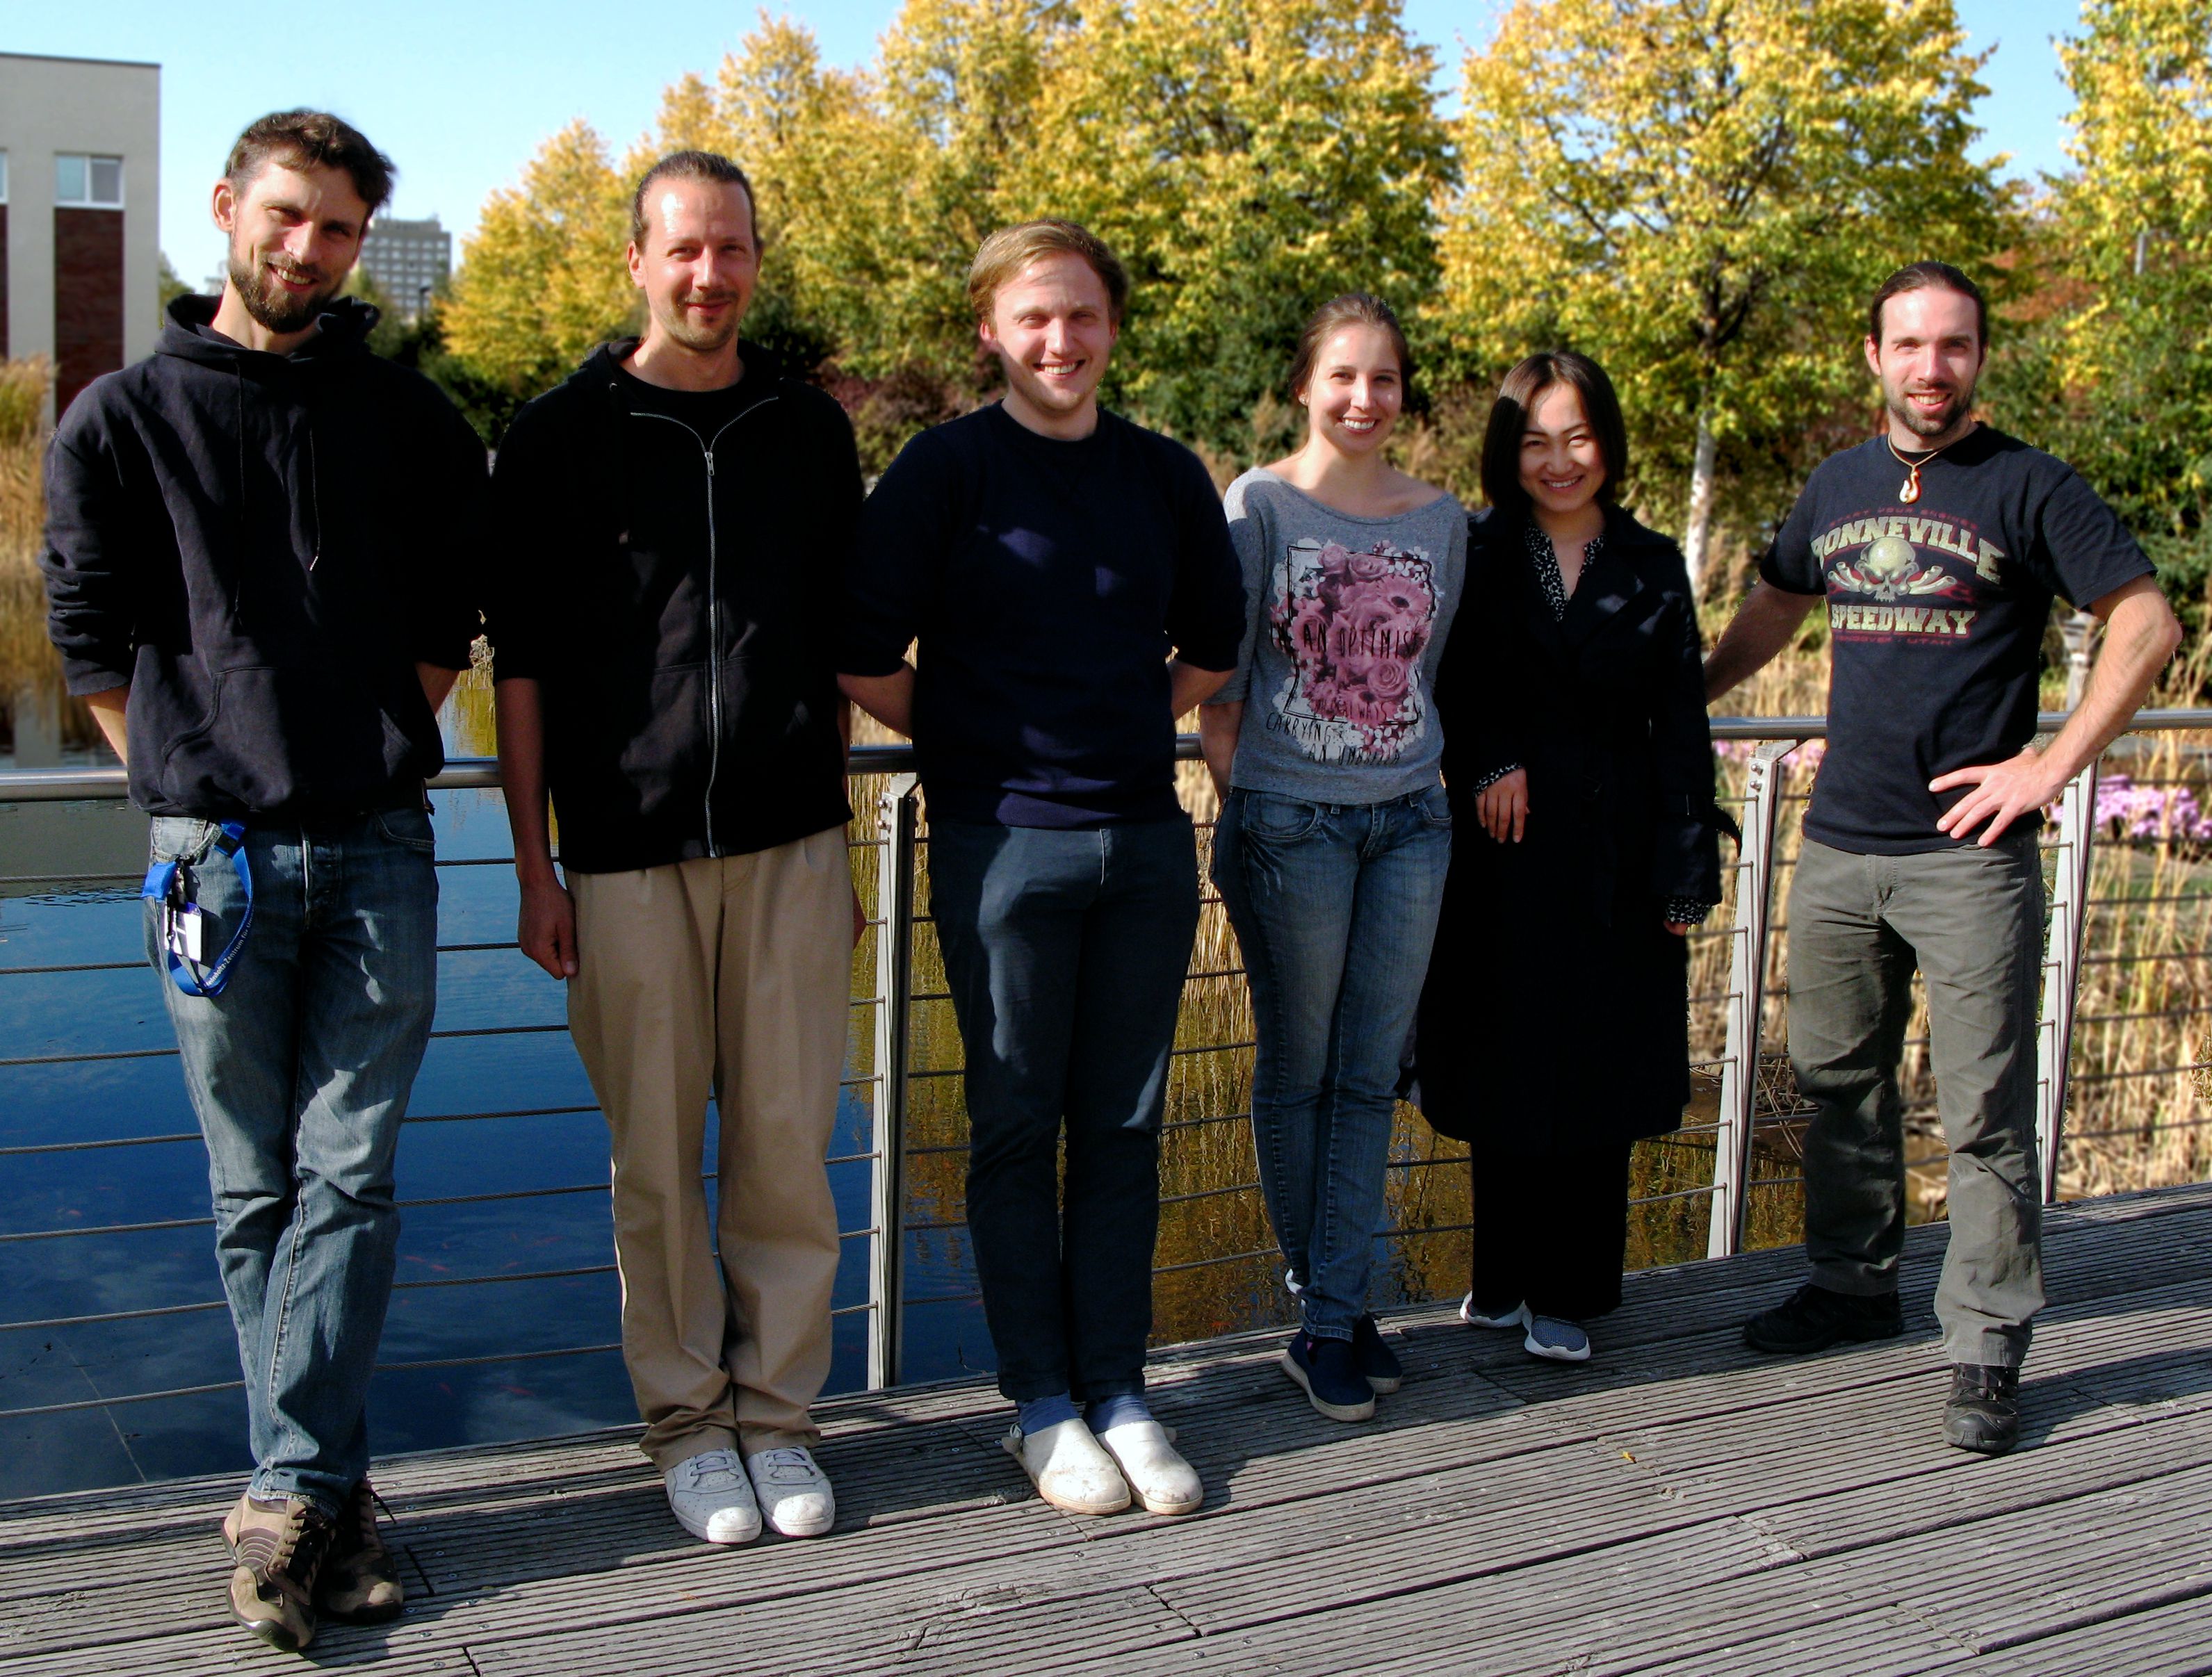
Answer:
x=2140 y=1043
x=2143 y=1011
x=30 y=673
x=2140 y=1062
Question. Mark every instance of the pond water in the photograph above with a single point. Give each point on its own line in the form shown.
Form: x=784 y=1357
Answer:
x=506 y=1311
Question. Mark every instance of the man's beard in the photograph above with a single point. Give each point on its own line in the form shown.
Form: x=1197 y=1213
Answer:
x=1946 y=418
x=701 y=340
x=273 y=308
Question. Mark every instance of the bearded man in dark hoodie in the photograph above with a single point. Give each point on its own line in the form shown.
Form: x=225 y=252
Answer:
x=259 y=543
x=676 y=517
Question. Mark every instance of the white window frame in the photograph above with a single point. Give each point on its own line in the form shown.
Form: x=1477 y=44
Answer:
x=85 y=160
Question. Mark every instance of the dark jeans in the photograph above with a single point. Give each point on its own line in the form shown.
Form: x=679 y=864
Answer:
x=300 y=1072
x=1972 y=919
x=1550 y=1230
x=1336 y=908
x=1066 y=954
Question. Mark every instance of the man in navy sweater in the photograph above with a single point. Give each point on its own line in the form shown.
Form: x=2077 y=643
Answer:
x=1049 y=557
x=259 y=547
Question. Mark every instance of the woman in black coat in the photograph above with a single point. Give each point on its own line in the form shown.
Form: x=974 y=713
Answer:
x=1553 y=1030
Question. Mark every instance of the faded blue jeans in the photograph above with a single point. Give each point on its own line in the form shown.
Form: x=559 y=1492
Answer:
x=1336 y=908
x=300 y=1072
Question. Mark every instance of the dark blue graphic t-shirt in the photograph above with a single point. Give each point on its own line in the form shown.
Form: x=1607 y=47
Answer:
x=1936 y=609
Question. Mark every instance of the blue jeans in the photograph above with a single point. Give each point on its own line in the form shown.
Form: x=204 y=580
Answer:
x=1334 y=907
x=1066 y=954
x=300 y=1072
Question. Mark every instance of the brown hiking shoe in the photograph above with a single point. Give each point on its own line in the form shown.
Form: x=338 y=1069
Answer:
x=360 y=1580
x=279 y=1547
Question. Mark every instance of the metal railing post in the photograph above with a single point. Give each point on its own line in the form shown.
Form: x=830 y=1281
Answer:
x=2062 y=970
x=895 y=830
x=1747 y=998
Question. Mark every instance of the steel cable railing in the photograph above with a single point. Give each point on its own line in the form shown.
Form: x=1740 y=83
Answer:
x=891 y=840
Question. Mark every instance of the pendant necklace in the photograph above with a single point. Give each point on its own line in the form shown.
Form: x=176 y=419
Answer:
x=1909 y=491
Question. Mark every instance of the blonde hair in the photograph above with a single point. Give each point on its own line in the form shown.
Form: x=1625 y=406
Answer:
x=1008 y=251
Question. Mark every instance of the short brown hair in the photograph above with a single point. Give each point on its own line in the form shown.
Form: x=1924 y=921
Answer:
x=1919 y=277
x=311 y=140
x=1353 y=308
x=1006 y=253
x=1518 y=397
x=708 y=166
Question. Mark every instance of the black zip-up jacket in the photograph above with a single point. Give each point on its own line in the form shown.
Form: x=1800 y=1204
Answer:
x=674 y=596
x=262 y=547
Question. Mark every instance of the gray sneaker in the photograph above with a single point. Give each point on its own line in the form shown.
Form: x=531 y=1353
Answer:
x=711 y=1498
x=1557 y=1339
x=1473 y=1317
x=795 y=1496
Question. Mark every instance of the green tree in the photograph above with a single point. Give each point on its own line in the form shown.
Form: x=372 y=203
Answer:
x=168 y=288
x=543 y=278
x=2127 y=354
x=1701 y=194
x=956 y=151
x=817 y=157
x=1249 y=159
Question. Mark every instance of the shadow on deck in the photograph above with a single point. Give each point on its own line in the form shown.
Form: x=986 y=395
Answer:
x=1678 y=1505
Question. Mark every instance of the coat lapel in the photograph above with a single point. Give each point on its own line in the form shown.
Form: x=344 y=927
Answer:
x=1604 y=590
x=1545 y=630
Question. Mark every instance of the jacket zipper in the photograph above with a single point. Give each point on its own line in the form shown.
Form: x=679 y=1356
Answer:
x=706 y=446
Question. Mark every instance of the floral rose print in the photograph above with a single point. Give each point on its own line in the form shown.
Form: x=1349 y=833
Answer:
x=1354 y=627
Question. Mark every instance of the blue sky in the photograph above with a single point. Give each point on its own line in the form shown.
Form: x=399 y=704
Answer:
x=461 y=93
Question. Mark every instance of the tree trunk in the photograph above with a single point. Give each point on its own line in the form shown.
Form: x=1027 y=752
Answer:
x=1697 y=537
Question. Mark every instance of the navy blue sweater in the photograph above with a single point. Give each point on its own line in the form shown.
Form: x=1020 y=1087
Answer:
x=1047 y=583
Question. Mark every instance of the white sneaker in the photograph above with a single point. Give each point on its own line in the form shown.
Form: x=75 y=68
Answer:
x=1516 y=1317
x=711 y=1498
x=795 y=1496
x=1162 y=1482
x=1070 y=1468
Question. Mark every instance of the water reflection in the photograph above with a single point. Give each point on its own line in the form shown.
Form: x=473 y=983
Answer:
x=506 y=1251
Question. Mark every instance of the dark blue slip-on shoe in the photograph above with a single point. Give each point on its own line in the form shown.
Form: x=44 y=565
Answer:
x=1332 y=1379
x=1377 y=1362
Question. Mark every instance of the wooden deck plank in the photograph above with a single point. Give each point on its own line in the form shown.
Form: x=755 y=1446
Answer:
x=1678 y=1505
x=2171 y=1641
x=1884 y=1643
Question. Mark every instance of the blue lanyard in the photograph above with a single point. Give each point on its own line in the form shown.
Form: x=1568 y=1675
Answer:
x=170 y=885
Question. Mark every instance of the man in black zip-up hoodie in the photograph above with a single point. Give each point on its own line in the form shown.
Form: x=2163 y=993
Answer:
x=259 y=548
x=676 y=517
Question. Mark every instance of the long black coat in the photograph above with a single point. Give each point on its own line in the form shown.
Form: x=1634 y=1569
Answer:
x=1555 y=1015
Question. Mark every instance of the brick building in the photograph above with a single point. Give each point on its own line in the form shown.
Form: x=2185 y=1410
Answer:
x=80 y=234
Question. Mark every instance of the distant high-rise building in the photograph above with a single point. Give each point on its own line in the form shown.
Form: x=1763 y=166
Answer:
x=408 y=260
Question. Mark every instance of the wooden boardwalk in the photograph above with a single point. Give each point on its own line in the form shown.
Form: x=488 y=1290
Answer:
x=1678 y=1505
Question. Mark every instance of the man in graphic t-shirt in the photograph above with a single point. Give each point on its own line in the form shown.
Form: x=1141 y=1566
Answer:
x=675 y=515
x=1938 y=546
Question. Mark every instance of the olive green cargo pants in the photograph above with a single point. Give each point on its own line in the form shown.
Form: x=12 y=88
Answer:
x=1972 y=921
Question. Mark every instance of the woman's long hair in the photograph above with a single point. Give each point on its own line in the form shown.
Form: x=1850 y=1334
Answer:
x=1516 y=400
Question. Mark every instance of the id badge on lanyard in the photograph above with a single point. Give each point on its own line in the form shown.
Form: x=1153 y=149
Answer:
x=173 y=888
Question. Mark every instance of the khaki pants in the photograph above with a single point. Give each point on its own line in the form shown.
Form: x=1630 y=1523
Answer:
x=730 y=976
